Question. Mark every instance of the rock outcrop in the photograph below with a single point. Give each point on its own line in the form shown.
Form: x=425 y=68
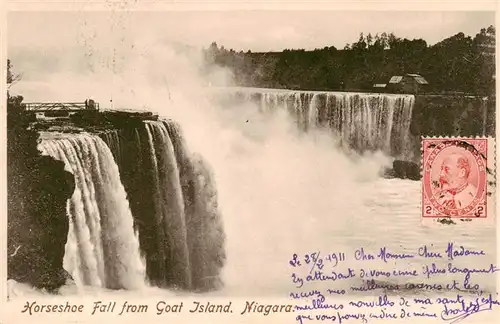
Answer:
x=38 y=188
x=404 y=170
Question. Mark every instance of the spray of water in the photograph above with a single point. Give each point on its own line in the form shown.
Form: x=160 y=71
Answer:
x=280 y=192
x=101 y=251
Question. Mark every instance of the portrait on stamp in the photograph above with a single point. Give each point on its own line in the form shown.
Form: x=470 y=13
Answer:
x=454 y=182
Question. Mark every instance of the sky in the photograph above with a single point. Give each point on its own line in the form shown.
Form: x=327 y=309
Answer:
x=49 y=48
x=240 y=30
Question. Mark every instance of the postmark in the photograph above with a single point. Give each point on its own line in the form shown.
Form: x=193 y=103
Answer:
x=454 y=181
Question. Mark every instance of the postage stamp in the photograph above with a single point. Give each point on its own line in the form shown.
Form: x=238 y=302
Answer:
x=454 y=182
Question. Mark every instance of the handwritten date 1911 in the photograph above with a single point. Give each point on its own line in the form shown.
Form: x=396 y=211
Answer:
x=317 y=260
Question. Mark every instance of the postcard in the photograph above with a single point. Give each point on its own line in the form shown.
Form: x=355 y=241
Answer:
x=191 y=164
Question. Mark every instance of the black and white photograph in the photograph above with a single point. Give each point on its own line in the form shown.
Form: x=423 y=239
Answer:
x=243 y=166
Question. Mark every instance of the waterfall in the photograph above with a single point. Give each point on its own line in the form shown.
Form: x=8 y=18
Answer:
x=362 y=121
x=112 y=139
x=169 y=207
x=205 y=231
x=179 y=222
x=174 y=202
x=205 y=234
x=140 y=195
x=370 y=121
x=102 y=249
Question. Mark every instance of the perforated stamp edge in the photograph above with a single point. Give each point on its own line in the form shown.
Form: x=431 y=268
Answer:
x=491 y=181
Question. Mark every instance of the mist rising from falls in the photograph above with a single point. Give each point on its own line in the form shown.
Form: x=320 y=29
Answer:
x=102 y=249
x=360 y=121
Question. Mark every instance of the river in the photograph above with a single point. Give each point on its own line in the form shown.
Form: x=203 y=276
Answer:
x=282 y=192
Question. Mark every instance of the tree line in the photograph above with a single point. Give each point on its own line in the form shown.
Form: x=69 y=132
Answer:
x=456 y=64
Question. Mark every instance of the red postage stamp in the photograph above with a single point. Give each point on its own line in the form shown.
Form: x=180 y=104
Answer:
x=454 y=182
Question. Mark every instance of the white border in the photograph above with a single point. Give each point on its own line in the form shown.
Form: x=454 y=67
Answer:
x=449 y=5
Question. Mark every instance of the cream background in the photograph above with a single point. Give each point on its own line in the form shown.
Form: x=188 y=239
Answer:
x=292 y=33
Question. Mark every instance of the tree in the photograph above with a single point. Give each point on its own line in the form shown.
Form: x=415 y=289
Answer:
x=14 y=103
x=369 y=39
x=484 y=46
x=458 y=63
x=12 y=78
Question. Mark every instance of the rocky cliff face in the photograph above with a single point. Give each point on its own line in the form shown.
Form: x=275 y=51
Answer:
x=38 y=188
x=453 y=116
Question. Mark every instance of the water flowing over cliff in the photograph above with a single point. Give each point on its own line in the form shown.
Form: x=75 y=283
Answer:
x=144 y=210
x=173 y=198
x=102 y=249
x=169 y=207
x=361 y=121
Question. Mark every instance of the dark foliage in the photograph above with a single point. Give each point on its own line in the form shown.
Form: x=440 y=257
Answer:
x=456 y=64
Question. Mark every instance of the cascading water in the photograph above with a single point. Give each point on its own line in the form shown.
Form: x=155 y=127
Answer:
x=368 y=121
x=174 y=202
x=205 y=234
x=362 y=121
x=173 y=198
x=169 y=206
x=102 y=249
x=112 y=139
